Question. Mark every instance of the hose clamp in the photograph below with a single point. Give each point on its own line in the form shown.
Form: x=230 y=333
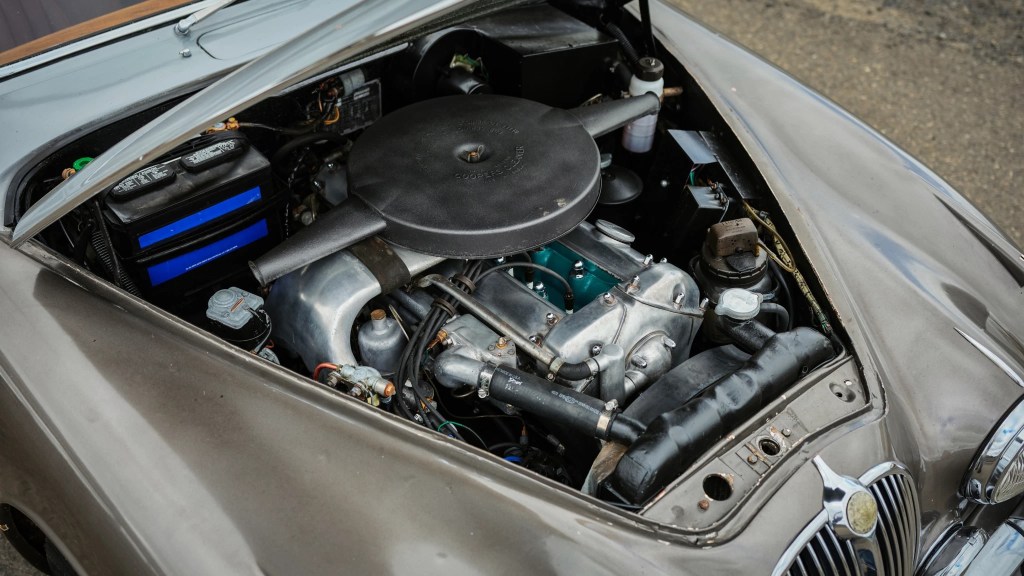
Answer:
x=484 y=380
x=604 y=420
x=555 y=366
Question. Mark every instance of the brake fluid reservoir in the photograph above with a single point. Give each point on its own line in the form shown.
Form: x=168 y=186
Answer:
x=638 y=136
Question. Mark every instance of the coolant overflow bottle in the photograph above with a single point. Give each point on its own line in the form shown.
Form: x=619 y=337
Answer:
x=638 y=136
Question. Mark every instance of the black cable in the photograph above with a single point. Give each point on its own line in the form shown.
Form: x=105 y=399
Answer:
x=279 y=129
x=411 y=361
x=305 y=140
x=104 y=248
x=645 y=21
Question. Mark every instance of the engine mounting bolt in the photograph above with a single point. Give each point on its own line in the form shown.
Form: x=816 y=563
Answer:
x=787 y=432
x=678 y=300
x=185 y=53
x=551 y=318
x=534 y=338
x=668 y=342
x=663 y=261
x=703 y=304
x=638 y=361
x=502 y=342
x=703 y=504
x=306 y=218
x=608 y=298
x=648 y=260
x=752 y=459
x=596 y=349
x=500 y=260
x=635 y=283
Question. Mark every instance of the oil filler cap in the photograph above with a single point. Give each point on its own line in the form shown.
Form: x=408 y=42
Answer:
x=738 y=304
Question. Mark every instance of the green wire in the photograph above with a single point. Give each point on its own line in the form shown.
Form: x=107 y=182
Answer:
x=452 y=423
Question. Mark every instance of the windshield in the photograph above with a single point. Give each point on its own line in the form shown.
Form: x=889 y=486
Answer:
x=28 y=27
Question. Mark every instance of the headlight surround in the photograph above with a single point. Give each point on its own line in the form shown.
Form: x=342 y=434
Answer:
x=997 y=472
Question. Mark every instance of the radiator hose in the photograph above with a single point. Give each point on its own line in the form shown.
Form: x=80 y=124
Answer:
x=585 y=414
x=674 y=440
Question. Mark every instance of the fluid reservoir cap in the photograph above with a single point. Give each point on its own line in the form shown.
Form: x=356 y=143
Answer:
x=738 y=304
x=614 y=231
x=231 y=307
x=650 y=69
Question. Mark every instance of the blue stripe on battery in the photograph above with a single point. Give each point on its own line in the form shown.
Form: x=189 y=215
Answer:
x=171 y=269
x=199 y=218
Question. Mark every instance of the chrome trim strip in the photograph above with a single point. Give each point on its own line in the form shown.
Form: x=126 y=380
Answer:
x=83 y=44
x=993 y=357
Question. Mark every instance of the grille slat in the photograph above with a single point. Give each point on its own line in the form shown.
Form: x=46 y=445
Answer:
x=837 y=548
x=815 y=554
x=886 y=531
x=824 y=553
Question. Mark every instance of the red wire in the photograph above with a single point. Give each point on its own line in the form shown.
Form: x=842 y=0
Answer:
x=321 y=366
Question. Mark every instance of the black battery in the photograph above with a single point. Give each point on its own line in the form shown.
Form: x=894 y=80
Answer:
x=195 y=219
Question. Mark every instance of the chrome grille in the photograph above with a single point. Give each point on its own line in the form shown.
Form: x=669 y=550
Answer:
x=818 y=551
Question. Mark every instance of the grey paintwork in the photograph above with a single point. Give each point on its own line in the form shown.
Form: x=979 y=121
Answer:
x=145 y=446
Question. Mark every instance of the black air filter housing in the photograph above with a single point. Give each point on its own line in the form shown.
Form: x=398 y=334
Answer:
x=476 y=176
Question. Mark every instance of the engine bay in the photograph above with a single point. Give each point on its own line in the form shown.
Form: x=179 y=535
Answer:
x=530 y=233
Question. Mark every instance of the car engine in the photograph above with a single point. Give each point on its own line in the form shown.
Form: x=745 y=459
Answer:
x=538 y=241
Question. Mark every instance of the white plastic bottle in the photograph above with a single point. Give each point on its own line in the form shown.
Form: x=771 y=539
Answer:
x=638 y=136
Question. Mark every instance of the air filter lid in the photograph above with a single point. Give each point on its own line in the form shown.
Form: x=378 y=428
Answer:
x=475 y=177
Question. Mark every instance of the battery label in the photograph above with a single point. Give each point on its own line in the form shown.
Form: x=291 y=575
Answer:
x=143 y=180
x=212 y=155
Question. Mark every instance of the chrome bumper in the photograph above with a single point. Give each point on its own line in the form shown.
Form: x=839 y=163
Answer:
x=1002 y=554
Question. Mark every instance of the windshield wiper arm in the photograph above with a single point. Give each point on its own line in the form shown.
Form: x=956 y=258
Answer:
x=185 y=24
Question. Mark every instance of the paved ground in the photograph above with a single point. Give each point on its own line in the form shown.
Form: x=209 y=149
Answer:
x=944 y=79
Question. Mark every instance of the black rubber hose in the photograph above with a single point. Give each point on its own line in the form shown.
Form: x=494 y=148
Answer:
x=564 y=405
x=676 y=439
x=627 y=47
x=779 y=311
x=578 y=371
x=748 y=335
